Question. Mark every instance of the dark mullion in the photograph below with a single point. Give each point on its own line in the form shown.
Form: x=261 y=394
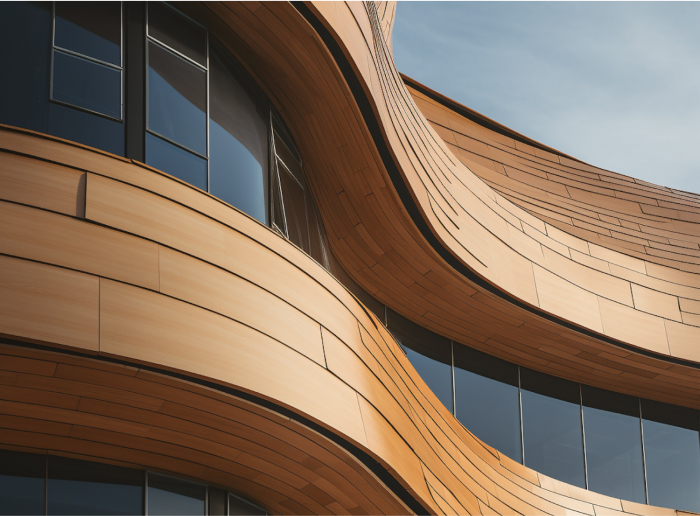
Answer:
x=135 y=70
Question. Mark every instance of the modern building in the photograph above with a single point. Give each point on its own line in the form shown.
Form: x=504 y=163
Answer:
x=247 y=267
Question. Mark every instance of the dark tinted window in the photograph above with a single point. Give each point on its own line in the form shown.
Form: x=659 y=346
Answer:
x=82 y=127
x=294 y=208
x=22 y=477
x=486 y=393
x=80 y=487
x=672 y=452
x=613 y=444
x=552 y=427
x=25 y=40
x=171 y=496
x=177 y=32
x=237 y=506
x=238 y=138
x=90 y=28
x=87 y=84
x=429 y=353
x=176 y=161
x=177 y=99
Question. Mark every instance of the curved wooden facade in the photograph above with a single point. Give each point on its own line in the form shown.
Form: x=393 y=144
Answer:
x=147 y=323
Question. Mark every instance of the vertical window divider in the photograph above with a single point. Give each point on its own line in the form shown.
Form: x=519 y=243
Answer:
x=208 y=115
x=583 y=436
x=46 y=483
x=520 y=406
x=145 y=494
x=644 y=455
x=53 y=44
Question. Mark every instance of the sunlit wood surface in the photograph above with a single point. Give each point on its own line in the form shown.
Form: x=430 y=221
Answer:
x=109 y=258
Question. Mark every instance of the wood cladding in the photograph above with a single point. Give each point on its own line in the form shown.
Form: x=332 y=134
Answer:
x=110 y=257
x=250 y=312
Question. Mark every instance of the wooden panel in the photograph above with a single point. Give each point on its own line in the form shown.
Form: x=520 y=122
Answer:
x=76 y=244
x=44 y=185
x=48 y=304
x=626 y=324
x=559 y=296
x=207 y=286
x=150 y=327
x=124 y=207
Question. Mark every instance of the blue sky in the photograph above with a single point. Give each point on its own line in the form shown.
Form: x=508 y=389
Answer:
x=614 y=84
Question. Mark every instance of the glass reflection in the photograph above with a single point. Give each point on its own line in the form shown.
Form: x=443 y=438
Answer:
x=552 y=427
x=238 y=139
x=177 y=32
x=613 y=444
x=294 y=208
x=486 y=394
x=22 y=477
x=171 y=496
x=90 y=28
x=80 y=487
x=79 y=126
x=86 y=84
x=177 y=99
x=238 y=506
x=25 y=28
x=672 y=453
x=176 y=161
x=429 y=354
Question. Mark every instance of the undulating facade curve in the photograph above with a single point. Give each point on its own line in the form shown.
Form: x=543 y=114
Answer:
x=247 y=267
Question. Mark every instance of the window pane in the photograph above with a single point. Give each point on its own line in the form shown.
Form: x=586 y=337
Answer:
x=80 y=487
x=486 y=393
x=88 y=129
x=672 y=452
x=613 y=444
x=88 y=85
x=552 y=427
x=237 y=506
x=238 y=140
x=177 y=99
x=429 y=353
x=90 y=28
x=177 y=32
x=26 y=29
x=317 y=235
x=176 y=161
x=22 y=477
x=294 y=209
x=170 y=496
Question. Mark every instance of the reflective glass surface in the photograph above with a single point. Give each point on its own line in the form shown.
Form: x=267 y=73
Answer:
x=238 y=139
x=237 y=506
x=294 y=209
x=429 y=353
x=171 y=496
x=86 y=84
x=177 y=99
x=88 y=129
x=176 y=31
x=25 y=38
x=672 y=452
x=486 y=394
x=90 y=28
x=552 y=427
x=176 y=161
x=613 y=444
x=22 y=477
x=80 y=487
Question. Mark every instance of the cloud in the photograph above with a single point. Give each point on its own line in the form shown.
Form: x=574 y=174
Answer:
x=614 y=84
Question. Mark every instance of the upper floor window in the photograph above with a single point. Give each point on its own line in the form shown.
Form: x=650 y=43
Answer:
x=148 y=82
